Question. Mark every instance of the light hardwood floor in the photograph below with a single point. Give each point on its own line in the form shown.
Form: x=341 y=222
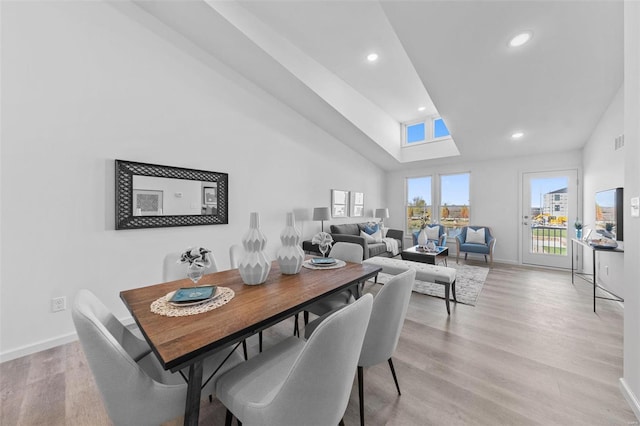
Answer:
x=530 y=352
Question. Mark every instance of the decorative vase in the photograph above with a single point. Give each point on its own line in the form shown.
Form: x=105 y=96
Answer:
x=431 y=246
x=290 y=256
x=254 y=266
x=578 y=233
x=422 y=237
x=195 y=272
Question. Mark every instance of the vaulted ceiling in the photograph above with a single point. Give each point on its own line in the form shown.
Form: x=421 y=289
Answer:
x=451 y=57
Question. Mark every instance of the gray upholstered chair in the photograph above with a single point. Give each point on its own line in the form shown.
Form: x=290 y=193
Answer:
x=387 y=317
x=300 y=382
x=466 y=246
x=172 y=270
x=440 y=241
x=135 y=389
x=349 y=252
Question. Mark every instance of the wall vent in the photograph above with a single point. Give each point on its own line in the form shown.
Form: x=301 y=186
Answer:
x=619 y=142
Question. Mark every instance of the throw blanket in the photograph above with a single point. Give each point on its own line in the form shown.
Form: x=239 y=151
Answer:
x=392 y=245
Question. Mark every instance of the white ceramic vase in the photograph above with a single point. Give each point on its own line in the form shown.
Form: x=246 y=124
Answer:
x=422 y=237
x=254 y=266
x=290 y=256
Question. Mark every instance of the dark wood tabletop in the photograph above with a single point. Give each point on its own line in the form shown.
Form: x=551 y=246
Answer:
x=178 y=341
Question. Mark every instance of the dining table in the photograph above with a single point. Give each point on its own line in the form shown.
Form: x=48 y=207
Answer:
x=185 y=341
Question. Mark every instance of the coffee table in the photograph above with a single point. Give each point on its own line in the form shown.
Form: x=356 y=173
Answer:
x=416 y=254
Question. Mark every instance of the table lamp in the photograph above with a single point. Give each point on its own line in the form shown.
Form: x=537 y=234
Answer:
x=321 y=214
x=382 y=214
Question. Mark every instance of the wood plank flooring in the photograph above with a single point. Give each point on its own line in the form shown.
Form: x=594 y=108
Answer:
x=531 y=352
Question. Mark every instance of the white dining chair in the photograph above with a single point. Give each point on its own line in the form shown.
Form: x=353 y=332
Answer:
x=172 y=270
x=135 y=389
x=235 y=254
x=300 y=382
x=348 y=252
x=387 y=318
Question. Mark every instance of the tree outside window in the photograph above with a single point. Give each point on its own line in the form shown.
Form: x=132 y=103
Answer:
x=419 y=208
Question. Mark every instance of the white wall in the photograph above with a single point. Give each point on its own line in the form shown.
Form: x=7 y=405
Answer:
x=82 y=85
x=602 y=170
x=631 y=380
x=495 y=194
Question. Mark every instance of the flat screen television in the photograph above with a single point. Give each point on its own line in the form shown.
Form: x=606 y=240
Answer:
x=609 y=212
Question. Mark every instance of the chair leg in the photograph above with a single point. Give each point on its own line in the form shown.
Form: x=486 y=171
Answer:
x=306 y=317
x=260 y=341
x=485 y=258
x=361 y=393
x=228 y=418
x=465 y=256
x=244 y=349
x=393 y=373
x=296 y=330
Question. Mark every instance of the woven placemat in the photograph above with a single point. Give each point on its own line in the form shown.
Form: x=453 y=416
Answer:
x=163 y=307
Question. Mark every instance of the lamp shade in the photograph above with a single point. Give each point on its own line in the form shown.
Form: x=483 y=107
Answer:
x=321 y=213
x=382 y=213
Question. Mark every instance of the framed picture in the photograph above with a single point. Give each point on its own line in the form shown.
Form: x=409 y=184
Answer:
x=210 y=195
x=339 y=203
x=147 y=202
x=357 y=204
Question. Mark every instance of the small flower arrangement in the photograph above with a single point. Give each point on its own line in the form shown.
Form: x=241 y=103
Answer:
x=577 y=224
x=323 y=240
x=195 y=256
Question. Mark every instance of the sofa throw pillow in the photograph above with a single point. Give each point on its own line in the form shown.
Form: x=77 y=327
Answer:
x=376 y=237
x=384 y=232
x=433 y=232
x=371 y=228
x=475 y=236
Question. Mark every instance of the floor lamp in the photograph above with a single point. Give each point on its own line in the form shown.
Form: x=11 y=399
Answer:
x=321 y=214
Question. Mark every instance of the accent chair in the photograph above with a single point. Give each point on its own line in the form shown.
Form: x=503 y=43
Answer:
x=440 y=241
x=468 y=242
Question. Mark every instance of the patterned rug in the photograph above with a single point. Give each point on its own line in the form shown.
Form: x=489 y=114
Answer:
x=469 y=282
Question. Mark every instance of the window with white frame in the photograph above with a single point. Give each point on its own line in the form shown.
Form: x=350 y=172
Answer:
x=454 y=202
x=418 y=205
x=430 y=129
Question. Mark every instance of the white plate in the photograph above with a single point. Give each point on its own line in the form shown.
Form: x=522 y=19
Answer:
x=199 y=302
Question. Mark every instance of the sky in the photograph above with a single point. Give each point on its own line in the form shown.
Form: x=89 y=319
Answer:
x=543 y=186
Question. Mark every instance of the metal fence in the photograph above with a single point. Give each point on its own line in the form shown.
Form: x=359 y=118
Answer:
x=549 y=239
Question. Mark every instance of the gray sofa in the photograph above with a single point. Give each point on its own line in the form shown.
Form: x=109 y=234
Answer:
x=350 y=233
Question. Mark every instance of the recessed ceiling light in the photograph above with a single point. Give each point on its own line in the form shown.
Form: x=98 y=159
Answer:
x=372 y=57
x=520 y=39
x=517 y=135
x=422 y=109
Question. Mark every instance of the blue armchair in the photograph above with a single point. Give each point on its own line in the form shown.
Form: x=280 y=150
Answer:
x=467 y=247
x=442 y=236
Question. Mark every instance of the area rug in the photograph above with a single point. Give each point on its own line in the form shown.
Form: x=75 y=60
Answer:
x=469 y=283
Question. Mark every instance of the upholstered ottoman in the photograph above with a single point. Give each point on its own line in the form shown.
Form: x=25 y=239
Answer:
x=424 y=272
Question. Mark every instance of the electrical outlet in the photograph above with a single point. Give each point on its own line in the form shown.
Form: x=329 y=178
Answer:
x=58 y=304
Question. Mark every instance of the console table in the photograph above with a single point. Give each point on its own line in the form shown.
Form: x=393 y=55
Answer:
x=594 y=277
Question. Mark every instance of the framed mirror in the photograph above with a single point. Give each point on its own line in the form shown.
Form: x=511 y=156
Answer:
x=154 y=196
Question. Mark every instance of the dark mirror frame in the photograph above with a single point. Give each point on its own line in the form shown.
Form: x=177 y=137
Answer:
x=125 y=170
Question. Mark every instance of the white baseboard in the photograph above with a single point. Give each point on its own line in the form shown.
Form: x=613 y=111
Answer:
x=47 y=344
x=38 y=347
x=630 y=397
